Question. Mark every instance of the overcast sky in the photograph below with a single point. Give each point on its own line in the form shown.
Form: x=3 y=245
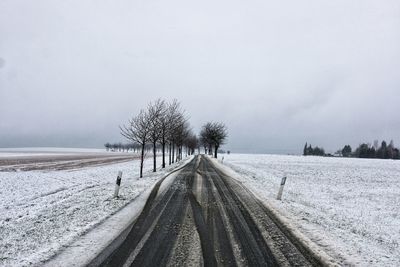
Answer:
x=278 y=73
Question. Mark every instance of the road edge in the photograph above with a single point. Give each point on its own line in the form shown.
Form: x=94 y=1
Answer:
x=300 y=240
x=108 y=234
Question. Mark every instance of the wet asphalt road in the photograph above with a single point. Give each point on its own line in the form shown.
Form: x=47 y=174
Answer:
x=206 y=218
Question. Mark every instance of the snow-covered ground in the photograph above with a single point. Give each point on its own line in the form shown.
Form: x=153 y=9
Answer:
x=58 y=150
x=43 y=211
x=348 y=207
x=51 y=151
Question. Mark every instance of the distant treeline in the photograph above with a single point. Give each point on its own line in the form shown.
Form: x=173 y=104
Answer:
x=310 y=151
x=384 y=151
x=119 y=147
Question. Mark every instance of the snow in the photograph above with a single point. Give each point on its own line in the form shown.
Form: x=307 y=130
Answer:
x=46 y=150
x=42 y=212
x=6 y=155
x=52 y=151
x=348 y=208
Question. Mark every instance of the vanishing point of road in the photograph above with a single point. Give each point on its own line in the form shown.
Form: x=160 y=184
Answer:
x=205 y=218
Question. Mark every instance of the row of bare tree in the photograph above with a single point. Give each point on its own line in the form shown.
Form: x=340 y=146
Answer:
x=120 y=147
x=164 y=126
x=128 y=147
x=160 y=124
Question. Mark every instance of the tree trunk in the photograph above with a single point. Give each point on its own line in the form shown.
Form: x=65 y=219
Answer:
x=169 y=154
x=141 y=161
x=163 y=152
x=173 y=152
x=216 y=151
x=154 y=157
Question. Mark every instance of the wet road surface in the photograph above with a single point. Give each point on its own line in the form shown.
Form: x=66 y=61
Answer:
x=206 y=218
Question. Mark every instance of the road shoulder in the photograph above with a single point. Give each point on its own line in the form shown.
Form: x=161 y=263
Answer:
x=109 y=234
x=301 y=241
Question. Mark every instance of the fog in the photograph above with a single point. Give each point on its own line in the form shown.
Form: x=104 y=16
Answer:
x=277 y=73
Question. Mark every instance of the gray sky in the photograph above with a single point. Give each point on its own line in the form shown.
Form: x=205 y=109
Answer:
x=278 y=73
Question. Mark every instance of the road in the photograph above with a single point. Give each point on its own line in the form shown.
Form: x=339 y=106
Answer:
x=206 y=218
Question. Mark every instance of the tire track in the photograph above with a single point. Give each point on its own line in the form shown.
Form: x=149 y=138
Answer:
x=219 y=236
x=149 y=214
x=233 y=228
x=202 y=229
x=254 y=248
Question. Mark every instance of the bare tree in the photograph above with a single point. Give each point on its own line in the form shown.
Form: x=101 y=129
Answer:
x=138 y=131
x=163 y=135
x=107 y=146
x=167 y=121
x=214 y=134
x=161 y=124
x=203 y=142
x=205 y=139
x=175 y=120
x=181 y=133
x=156 y=112
x=191 y=143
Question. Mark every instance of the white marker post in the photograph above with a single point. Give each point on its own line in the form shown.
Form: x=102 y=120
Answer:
x=118 y=183
x=279 y=197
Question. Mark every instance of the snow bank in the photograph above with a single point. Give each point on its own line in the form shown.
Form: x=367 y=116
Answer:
x=41 y=212
x=347 y=207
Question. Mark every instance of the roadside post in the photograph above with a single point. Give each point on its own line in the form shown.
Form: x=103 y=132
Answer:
x=279 y=197
x=118 y=183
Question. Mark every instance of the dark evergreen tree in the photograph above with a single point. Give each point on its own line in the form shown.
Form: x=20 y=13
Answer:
x=382 y=151
x=310 y=150
x=362 y=151
x=317 y=151
x=346 y=151
x=305 y=150
x=371 y=152
x=396 y=153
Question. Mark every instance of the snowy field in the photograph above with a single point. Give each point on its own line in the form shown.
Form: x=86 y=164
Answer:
x=58 y=158
x=46 y=150
x=348 y=207
x=43 y=211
